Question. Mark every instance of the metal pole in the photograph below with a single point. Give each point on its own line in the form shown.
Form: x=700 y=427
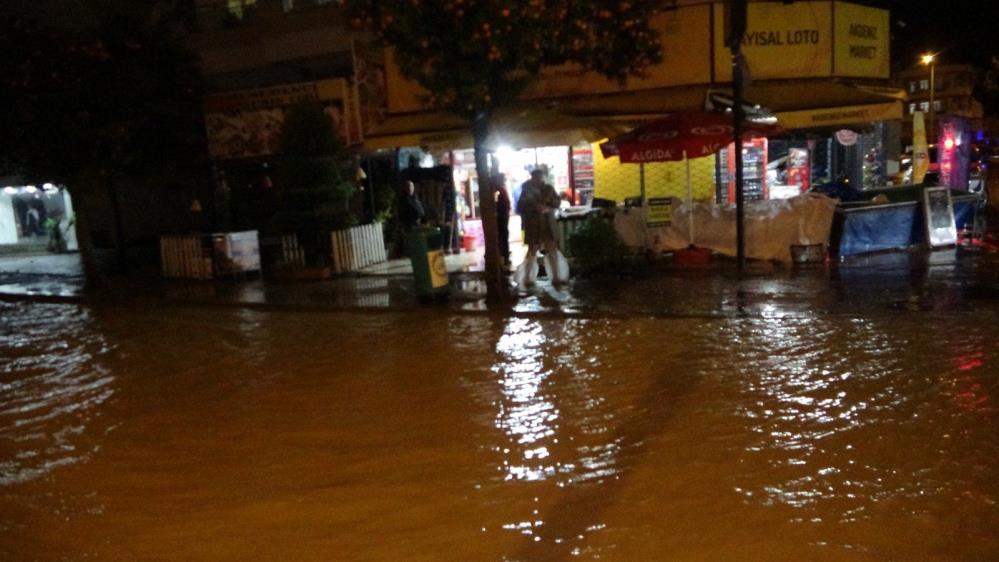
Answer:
x=690 y=202
x=737 y=116
x=736 y=24
x=641 y=181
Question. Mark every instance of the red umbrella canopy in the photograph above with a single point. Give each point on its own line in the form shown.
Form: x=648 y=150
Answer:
x=676 y=135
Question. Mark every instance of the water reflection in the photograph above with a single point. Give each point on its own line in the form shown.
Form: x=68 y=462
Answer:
x=525 y=414
x=481 y=437
x=52 y=388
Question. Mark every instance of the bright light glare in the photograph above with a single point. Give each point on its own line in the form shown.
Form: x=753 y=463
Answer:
x=503 y=152
x=30 y=188
x=927 y=58
x=10 y=190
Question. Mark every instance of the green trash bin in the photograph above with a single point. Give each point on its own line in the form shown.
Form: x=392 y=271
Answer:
x=426 y=252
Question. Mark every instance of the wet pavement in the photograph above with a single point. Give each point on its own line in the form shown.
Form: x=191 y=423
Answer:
x=954 y=279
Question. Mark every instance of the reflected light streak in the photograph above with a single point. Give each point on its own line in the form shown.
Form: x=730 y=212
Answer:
x=525 y=415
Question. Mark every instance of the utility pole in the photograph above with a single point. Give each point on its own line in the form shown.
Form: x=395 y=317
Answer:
x=736 y=22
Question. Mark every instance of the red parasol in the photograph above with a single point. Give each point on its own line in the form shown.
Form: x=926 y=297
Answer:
x=676 y=136
x=680 y=136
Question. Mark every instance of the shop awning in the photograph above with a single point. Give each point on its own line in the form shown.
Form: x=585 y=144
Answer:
x=590 y=118
x=799 y=95
x=516 y=127
x=839 y=116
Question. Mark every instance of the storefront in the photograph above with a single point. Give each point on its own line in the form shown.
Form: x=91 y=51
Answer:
x=31 y=215
x=820 y=67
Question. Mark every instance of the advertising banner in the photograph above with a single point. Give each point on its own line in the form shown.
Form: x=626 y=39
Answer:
x=247 y=123
x=862 y=35
x=920 y=152
x=848 y=115
x=781 y=40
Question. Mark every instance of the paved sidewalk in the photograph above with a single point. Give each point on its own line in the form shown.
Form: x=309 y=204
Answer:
x=942 y=281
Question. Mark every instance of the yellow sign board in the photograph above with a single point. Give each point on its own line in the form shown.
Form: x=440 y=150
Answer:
x=840 y=115
x=806 y=40
x=781 y=40
x=861 y=41
x=920 y=152
x=660 y=211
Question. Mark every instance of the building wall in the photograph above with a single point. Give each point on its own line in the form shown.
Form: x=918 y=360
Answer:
x=257 y=43
x=953 y=92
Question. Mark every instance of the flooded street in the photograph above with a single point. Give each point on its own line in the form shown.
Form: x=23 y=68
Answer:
x=186 y=433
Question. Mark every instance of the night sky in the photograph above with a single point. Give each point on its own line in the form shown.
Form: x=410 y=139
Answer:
x=959 y=30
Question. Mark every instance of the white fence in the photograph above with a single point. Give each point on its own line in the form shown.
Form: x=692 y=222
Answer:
x=357 y=247
x=186 y=257
x=206 y=256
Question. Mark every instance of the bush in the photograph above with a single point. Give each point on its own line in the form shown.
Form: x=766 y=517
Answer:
x=314 y=182
x=595 y=247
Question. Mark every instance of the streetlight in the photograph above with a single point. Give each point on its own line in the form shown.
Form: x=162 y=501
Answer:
x=928 y=59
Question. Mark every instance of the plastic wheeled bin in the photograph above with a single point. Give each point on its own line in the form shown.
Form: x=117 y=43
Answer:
x=426 y=252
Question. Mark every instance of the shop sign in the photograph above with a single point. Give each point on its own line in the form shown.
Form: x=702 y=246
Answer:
x=807 y=39
x=781 y=40
x=862 y=36
x=248 y=123
x=847 y=115
x=660 y=211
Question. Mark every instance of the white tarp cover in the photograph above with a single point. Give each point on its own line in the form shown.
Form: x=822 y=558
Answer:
x=772 y=227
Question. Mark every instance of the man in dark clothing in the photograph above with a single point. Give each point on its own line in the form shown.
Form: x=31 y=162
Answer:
x=410 y=209
x=502 y=199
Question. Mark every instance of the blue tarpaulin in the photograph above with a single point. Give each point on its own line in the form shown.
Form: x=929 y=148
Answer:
x=861 y=228
x=876 y=228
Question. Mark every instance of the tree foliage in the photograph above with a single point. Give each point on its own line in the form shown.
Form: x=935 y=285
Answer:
x=314 y=180
x=473 y=55
x=116 y=94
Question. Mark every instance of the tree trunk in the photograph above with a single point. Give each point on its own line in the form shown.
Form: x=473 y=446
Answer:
x=119 y=229
x=91 y=270
x=496 y=288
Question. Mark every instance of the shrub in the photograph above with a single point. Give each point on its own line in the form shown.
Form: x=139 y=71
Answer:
x=595 y=247
x=314 y=181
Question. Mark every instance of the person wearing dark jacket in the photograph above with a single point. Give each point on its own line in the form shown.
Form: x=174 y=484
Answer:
x=410 y=208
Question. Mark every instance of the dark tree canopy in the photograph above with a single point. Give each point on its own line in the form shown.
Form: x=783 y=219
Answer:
x=474 y=55
x=117 y=95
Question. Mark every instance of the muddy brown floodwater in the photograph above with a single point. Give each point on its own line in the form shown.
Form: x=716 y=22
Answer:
x=231 y=434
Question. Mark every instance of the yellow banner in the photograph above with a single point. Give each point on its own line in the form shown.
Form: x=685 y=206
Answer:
x=920 y=152
x=862 y=35
x=781 y=40
x=840 y=115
